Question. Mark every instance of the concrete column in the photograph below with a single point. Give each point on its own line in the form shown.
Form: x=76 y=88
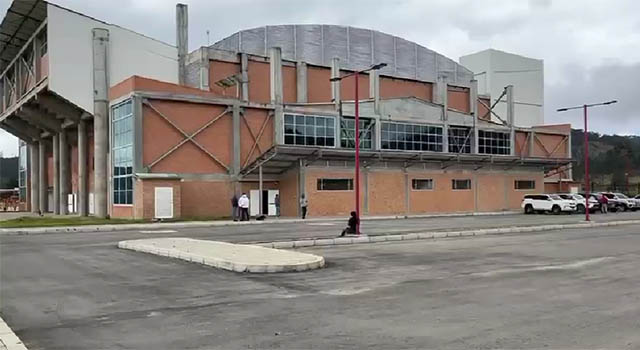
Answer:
x=365 y=189
x=204 y=68
x=532 y=142
x=100 y=120
x=83 y=195
x=301 y=82
x=42 y=177
x=301 y=183
x=473 y=96
x=335 y=85
x=34 y=175
x=260 y=211
x=443 y=98
x=511 y=118
x=275 y=64
x=182 y=40
x=374 y=89
x=244 y=74
x=407 y=192
x=56 y=175
x=65 y=172
x=235 y=140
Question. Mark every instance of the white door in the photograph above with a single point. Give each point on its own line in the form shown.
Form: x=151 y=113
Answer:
x=71 y=203
x=91 y=204
x=271 y=196
x=164 y=203
x=254 y=202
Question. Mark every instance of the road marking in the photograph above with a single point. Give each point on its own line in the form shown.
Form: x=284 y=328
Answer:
x=8 y=339
x=322 y=224
x=159 y=231
x=570 y=266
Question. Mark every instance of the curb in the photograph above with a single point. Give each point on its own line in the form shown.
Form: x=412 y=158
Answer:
x=203 y=224
x=436 y=235
x=318 y=261
x=8 y=339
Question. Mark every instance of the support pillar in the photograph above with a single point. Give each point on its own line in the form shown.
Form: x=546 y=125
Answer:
x=511 y=119
x=335 y=85
x=532 y=142
x=182 y=40
x=42 y=176
x=34 y=175
x=204 y=68
x=56 y=175
x=275 y=65
x=441 y=97
x=473 y=96
x=100 y=120
x=260 y=211
x=301 y=183
x=301 y=82
x=83 y=196
x=235 y=140
x=65 y=173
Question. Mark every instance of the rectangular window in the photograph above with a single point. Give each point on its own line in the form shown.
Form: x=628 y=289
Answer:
x=459 y=139
x=309 y=130
x=411 y=137
x=422 y=184
x=525 y=185
x=494 y=142
x=348 y=133
x=122 y=154
x=335 y=184
x=461 y=184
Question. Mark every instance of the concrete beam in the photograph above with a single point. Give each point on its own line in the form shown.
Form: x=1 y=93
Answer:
x=301 y=82
x=374 y=89
x=182 y=40
x=23 y=128
x=40 y=119
x=335 y=85
x=14 y=132
x=275 y=64
x=244 y=76
x=101 y=120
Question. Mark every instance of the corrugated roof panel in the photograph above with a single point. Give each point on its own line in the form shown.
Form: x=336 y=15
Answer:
x=20 y=22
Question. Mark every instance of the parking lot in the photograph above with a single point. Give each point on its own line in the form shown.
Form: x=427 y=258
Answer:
x=78 y=291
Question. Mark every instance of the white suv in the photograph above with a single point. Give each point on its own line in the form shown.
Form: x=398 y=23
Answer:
x=629 y=203
x=547 y=203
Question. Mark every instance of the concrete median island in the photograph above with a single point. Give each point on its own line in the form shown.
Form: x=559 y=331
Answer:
x=227 y=256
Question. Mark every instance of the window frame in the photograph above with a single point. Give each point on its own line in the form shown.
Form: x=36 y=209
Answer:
x=118 y=149
x=304 y=127
x=487 y=141
x=365 y=122
x=321 y=188
x=399 y=128
x=455 y=181
x=516 y=182
x=414 y=181
x=467 y=137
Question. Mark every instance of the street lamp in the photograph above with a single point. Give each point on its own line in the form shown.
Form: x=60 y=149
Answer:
x=357 y=133
x=586 y=149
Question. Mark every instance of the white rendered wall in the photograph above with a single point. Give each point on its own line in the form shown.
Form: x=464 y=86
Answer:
x=70 y=50
x=496 y=69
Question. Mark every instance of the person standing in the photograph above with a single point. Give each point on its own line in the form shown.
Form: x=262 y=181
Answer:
x=234 y=207
x=276 y=201
x=243 y=204
x=351 y=226
x=604 y=203
x=304 y=203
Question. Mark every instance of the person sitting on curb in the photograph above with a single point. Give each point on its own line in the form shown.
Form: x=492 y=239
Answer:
x=353 y=223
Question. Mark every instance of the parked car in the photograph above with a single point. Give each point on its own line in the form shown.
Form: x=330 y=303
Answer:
x=579 y=199
x=594 y=202
x=619 y=203
x=553 y=203
x=630 y=203
x=637 y=199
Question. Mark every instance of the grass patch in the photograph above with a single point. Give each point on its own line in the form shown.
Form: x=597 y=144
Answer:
x=36 y=221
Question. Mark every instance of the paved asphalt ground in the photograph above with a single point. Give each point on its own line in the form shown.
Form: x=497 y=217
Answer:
x=571 y=289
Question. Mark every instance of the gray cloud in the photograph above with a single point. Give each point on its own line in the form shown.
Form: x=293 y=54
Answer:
x=589 y=46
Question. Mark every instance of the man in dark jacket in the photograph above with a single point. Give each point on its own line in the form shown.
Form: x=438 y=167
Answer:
x=353 y=223
x=234 y=207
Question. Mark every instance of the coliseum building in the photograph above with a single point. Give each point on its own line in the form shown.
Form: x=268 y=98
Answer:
x=116 y=123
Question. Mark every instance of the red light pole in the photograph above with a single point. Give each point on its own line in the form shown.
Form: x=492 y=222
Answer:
x=586 y=150
x=357 y=134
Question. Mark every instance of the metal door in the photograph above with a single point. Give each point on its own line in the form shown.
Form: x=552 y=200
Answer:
x=254 y=202
x=272 y=201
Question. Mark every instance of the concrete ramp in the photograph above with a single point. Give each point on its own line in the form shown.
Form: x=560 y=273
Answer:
x=227 y=256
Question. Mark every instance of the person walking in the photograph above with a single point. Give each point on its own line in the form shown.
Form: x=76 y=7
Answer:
x=604 y=203
x=351 y=226
x=276 y=201
x=243 y=204
x=234 y=207
x=304 y=203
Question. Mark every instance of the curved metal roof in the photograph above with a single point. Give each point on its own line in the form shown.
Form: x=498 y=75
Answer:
x=357 y=48
x=21 y=21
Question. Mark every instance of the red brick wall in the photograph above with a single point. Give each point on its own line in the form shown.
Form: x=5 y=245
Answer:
x=289 y=193
x=206 y=198
x=458 y=98
x=394 y=87
x=144 y=204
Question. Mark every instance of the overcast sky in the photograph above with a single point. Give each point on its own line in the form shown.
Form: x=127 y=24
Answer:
x=590 y=48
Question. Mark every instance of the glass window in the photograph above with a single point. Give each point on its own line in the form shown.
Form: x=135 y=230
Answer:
x=459 y=139
x=525 y=185
x=348 y=133
x=335 y=184
x=422 y=184
x=411 y=137
x=309 y=130
x=494 y=142
x=461 y=184
x=122 y=155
